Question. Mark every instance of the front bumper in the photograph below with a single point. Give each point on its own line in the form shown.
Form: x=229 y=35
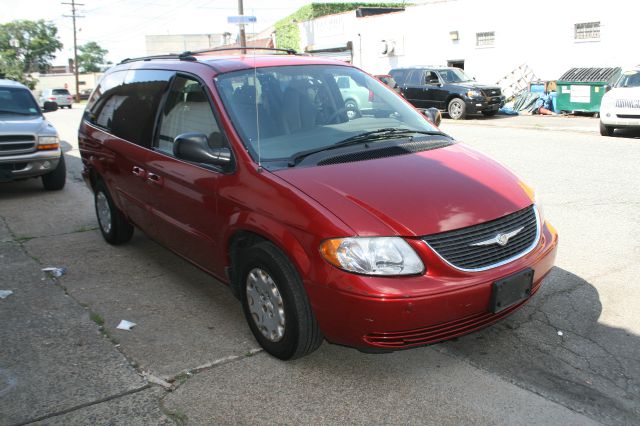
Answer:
x=25 y=166
x=437 y=306
x=615 y=117
x=478 y=105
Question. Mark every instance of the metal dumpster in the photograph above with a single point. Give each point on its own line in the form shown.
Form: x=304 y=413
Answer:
x=581 y=89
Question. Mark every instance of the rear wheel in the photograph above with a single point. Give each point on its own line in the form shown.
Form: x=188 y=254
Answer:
x=606 y=130
x=352 y=109
x=457 y=109
x=55 y=180
x=114 y=226
x=275 y=303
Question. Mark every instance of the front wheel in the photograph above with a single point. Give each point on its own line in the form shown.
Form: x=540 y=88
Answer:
x=606 y=130
x=275 y=303
x=457 y=109
x=114 y=226
x=352 y=109
x=55 y=180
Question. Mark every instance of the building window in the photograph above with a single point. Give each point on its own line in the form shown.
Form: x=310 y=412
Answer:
x=485 y=39
x=587 y=31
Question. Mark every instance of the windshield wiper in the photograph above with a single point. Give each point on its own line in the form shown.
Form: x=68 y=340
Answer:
x=379 y=134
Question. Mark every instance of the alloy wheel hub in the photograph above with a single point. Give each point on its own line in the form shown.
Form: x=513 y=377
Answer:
x=104 y=212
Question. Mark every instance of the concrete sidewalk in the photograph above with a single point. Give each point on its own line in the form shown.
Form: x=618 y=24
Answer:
x=563 y=123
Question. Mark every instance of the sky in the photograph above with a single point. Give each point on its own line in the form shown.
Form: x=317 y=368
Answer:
x=120 y=25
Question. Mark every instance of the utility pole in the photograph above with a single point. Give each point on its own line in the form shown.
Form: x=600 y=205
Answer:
x=243 y=37
x=73 y=15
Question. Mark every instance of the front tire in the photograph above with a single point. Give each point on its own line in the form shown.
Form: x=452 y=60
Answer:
x=457 y=109
x=606 y=130
x=55 y=180
x=352 y=109
x=275 y=303
x=114 y=226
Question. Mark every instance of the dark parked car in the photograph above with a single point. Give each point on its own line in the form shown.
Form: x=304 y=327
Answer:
x=389 y=81
x=448 y=89
x=375 y=231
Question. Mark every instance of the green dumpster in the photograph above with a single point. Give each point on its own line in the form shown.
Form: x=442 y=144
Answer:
x=582 y=89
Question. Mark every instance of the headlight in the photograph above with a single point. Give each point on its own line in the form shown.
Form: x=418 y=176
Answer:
x=48 y=142
x=372 y=256
x=535 y=199
x=474 y=94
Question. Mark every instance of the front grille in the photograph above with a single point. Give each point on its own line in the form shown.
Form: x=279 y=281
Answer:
x=627 y=103
x=456 y=246
x=17 y=144
x=492 y=92
x=631 y=116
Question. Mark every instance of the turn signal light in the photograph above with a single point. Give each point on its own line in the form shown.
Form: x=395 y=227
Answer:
x=48 y=146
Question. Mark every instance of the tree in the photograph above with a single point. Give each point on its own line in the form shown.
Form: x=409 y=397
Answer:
x=26 y=47
x=90 y=56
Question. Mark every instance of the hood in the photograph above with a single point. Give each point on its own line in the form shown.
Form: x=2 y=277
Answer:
x=624 y=93
x=21 y=124
x=414 y=194
x=474 y=85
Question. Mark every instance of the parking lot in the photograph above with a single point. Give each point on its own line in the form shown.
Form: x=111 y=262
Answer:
x=570 y=356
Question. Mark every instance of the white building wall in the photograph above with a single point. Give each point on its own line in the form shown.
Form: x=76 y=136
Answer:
x=540 y=34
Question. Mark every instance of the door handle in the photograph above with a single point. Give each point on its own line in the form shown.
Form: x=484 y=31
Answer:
x=138 y=171
x=154 y=178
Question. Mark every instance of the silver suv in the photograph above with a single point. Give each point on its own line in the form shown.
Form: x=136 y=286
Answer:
x=29 y=144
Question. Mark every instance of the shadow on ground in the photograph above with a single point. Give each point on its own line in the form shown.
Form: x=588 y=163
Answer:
x=556 y=347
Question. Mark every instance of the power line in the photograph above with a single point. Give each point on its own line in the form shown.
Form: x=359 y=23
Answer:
x=73 y=16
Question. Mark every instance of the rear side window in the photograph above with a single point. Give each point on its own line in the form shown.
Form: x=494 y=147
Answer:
x=60 y=92
x=415 y=78
x=399 y=75
x=125 y=103
x=187 y=110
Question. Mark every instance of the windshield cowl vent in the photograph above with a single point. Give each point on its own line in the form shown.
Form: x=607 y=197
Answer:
x=389 y=151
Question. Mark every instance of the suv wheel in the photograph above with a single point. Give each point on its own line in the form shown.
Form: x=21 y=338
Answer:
x=55 y=180
x=352 y=109
x=114 y=226
x=275 y=303
x=457 y=109
x=606 y=130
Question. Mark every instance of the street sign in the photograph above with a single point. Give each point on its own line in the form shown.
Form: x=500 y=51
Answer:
x=241 y=19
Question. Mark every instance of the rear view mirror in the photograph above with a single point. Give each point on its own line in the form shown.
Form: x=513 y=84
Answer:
x=434 y=115
x=195 y=147
x=50 y=106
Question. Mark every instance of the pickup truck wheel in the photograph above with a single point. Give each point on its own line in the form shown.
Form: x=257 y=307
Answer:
x=457 y=109
x=606 y=130
x=55 y=180
x=352 y=109
x=114 y=226
x=275 y=303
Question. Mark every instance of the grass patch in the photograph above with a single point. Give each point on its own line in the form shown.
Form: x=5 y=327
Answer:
x=177 y=416
x=97 y=318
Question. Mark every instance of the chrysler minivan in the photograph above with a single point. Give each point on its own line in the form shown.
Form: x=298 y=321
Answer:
x=376 y=231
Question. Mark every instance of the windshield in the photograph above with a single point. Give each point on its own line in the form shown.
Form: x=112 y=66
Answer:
x=453 y=75
x=629 y=79
x=305 y=108
x=15 y=100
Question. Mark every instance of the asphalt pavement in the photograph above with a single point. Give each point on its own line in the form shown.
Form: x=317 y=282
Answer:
x=570 y=356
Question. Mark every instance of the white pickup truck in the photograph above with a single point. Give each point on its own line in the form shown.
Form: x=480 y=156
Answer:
x=620 y=106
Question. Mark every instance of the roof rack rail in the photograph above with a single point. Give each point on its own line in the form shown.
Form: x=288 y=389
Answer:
x=181 y=56
x=222 y=49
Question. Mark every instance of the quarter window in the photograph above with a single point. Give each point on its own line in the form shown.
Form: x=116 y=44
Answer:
x=416 y=78
x=187 y=110
x=587 y=31
x=485 y=39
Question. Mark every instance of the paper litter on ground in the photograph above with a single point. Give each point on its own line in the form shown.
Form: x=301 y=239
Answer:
x=5 y=293
x=125 y=325
x=54 y=272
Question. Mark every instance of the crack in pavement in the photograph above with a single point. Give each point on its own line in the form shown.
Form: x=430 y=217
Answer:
x=84 y=405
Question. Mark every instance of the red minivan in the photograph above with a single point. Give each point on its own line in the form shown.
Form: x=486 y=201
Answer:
x=376 y=231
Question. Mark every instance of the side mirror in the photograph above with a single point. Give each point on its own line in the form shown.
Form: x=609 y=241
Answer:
x=434 y=115
x=50 y=106
x=195 y=147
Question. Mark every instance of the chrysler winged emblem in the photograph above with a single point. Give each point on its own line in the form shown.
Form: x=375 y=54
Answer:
x=501 y=239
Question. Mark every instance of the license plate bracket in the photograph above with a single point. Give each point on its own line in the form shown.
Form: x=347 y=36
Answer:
x=511 y=290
